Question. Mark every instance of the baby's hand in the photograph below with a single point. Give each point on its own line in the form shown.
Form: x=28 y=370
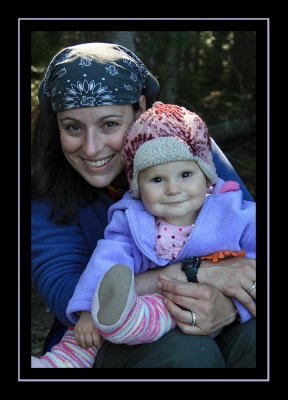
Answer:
x=86 y=334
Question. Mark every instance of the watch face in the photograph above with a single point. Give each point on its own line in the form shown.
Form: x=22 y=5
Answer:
x=191 y=261
x=190 y=267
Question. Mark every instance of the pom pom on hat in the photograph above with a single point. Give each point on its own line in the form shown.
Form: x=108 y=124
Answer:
x=164 y=133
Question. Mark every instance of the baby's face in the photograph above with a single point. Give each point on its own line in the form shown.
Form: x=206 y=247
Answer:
x=174 y=191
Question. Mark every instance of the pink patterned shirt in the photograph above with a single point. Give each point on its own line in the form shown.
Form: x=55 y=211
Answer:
x=170 y=239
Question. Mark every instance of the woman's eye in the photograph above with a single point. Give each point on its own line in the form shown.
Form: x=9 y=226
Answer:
x=110 y=124
x=73 y=128
x=187 y=174
x=156 y=180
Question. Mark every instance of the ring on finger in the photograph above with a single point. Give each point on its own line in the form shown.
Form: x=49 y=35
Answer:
x=251 y=288
x=193 y=323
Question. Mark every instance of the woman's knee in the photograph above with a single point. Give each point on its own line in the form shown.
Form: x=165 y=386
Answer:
x=238 y=345
x=189 y=351
x=173 y=350
x=177 y=350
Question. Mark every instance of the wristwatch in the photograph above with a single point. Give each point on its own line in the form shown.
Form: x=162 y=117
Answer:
x=190 y=266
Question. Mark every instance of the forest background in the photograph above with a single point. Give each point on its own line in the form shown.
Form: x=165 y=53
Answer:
x=212 y=73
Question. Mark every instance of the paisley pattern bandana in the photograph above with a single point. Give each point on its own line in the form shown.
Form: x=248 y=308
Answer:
x=95 y=74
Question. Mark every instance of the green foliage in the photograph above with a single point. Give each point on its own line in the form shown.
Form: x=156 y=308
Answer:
x=211 y=72
x=34 y=92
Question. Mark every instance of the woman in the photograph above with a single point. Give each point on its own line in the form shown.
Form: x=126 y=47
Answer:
x=90 y=95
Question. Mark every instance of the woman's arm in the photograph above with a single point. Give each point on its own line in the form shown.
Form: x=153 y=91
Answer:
x=60 y=254
x=232 y=276
x=216 y=309
x=146 y=282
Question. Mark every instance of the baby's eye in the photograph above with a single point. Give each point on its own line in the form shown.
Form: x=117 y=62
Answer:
x=186 y=174
x=156 y=180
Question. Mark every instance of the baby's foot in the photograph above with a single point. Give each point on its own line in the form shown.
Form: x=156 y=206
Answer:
x=39 y=363
x=113 y=294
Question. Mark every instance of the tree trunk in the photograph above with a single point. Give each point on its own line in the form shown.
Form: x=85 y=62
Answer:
x=233 y=129
x=169 y=91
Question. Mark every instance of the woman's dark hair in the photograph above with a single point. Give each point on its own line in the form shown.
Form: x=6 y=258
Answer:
x=52 y=175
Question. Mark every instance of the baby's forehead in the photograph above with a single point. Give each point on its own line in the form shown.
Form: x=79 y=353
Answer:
x=170 y=166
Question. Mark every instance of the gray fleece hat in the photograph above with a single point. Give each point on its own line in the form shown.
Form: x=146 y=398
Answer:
x=164 y=133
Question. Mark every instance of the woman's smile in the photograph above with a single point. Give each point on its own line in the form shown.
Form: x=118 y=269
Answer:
x=100 y=163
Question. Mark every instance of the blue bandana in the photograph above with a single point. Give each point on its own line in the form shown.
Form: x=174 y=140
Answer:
x=95 y=74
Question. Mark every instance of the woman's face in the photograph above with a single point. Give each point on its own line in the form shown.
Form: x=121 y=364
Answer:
x=92 y=138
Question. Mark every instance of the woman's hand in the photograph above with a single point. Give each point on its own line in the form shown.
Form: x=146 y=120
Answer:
x=233 y=276
x=212 y=309
x=86 y=334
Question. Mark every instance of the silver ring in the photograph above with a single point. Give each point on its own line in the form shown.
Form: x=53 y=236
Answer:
x=193 y=323
x=251 y=288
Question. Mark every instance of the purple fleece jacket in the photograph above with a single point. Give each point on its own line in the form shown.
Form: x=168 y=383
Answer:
x=226 y=222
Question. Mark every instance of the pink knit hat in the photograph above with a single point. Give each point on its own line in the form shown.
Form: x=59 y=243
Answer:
x=164 y=133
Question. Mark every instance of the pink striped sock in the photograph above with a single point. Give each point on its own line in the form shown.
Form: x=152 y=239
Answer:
x=67 y=354
x=148 y=320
